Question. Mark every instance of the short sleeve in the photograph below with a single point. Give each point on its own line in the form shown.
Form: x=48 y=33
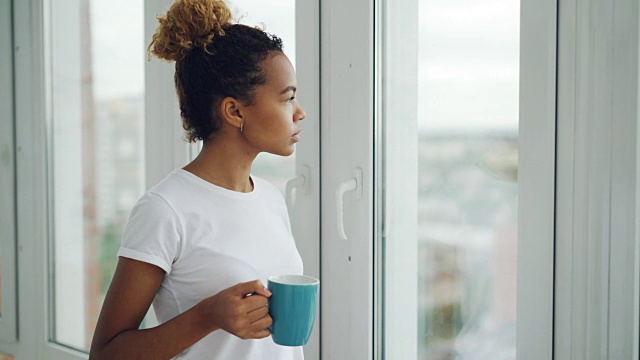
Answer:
x=153 y=233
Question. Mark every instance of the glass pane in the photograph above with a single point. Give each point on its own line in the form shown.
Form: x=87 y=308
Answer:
x=467 y=104
x=468 y=164
x=97 y=54
x=279 y=18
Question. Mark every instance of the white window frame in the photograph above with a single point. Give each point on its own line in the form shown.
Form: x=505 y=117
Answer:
x=8 y=324
x=536 y=179
x=348 y=128
x=32 y=114
x=306 y=223
x=164 y=145
x=396 y=180
x=347 y=108
x=344 y=52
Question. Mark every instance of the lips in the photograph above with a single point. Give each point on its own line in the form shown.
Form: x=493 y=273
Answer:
x=296 y=135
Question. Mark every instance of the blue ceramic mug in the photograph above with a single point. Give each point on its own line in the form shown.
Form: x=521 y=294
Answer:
x=292 y=306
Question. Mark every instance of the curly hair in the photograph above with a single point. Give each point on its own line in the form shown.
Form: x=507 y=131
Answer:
x=215 y=59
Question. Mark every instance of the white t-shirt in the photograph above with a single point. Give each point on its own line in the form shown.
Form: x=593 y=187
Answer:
x=207 y=238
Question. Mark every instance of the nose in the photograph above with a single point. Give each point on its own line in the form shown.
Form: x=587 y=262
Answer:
x=301 y=113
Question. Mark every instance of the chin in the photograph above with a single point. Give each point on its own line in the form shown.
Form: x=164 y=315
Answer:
x=284 y=152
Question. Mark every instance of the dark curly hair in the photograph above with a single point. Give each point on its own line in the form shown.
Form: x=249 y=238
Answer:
x=214 y=59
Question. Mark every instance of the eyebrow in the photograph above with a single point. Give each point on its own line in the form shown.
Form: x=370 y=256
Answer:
x=287 y=89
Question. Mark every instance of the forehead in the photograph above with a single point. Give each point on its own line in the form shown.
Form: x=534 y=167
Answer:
x=279 y=71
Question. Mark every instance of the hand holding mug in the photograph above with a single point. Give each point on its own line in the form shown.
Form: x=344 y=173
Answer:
x=246 y=317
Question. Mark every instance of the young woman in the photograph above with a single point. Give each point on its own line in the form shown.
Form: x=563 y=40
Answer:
x=201 y=243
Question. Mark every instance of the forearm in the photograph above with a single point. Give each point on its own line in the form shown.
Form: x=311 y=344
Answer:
x=161 y=342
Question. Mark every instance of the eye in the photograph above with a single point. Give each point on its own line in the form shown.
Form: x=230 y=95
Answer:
x=291 y=99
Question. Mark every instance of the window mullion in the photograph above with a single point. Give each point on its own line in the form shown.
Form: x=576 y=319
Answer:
x=536 y=179
x=306 y=220
x=347 y=159
x=8 y=325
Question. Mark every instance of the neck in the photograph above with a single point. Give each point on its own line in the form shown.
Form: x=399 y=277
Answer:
x=225 y=162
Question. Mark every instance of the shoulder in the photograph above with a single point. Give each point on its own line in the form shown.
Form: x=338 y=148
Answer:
x=179 y=190
x=152 y=208
x=160 y=200
x=174 y=183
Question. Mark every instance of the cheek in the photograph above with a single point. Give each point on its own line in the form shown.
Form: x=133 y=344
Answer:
x=268 y=130
x=276 y=122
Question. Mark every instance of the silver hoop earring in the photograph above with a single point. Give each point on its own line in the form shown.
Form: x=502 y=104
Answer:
x=241 y=125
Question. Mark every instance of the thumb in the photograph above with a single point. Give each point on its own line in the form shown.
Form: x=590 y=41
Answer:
x=250 y=288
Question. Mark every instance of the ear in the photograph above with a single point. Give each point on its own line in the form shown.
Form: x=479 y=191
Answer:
x=231 y=112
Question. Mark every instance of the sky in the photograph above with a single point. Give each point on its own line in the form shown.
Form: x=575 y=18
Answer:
x=467 y=55
x=468 y=64
x=119 y=47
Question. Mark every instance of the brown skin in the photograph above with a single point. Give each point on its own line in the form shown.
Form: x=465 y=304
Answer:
x=225 y=160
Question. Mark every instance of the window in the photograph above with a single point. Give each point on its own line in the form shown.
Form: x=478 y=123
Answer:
x=409 y=259
x=467 y=176
x=420 y=220
x=96 y=151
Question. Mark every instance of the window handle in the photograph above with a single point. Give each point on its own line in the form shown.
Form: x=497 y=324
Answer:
x=302 y=182
x=353 y=184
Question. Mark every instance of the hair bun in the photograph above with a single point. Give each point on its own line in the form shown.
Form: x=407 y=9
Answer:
x=188 y=24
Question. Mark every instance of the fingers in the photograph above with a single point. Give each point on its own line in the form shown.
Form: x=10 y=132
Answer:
x=258 y=314
x=263 y=323
x=250 y=287
x=261 y=326
x=261 y=334
x=263 y=291
x=248 y=315
x=253 y=302
x=255 y=330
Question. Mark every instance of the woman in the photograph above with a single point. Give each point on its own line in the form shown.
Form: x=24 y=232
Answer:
x=201 y=243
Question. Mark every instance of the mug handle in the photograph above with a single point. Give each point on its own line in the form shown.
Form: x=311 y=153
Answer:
x=270 y=327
